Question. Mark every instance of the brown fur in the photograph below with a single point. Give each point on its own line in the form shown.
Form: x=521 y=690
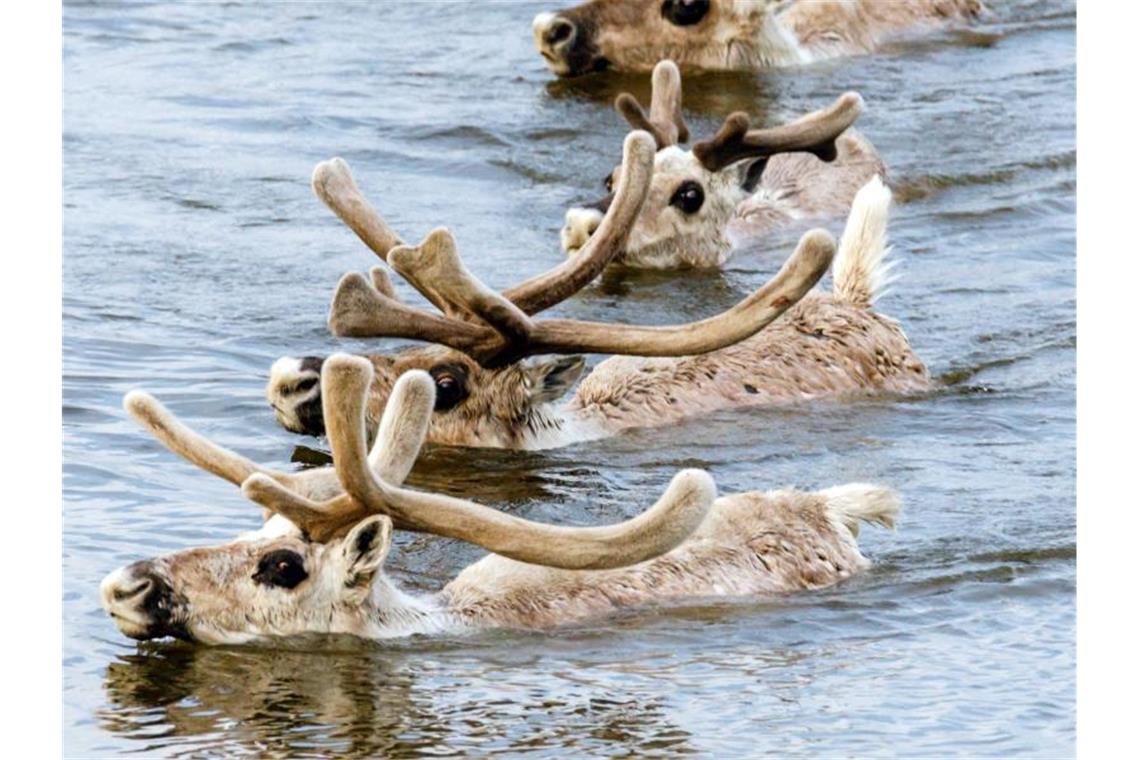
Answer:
x=799 y=186
x=820 y=347
x=742 y=34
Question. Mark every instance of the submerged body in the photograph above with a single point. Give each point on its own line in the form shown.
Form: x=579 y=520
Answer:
x=823 y=346
x=731 y=35
x=751 y=544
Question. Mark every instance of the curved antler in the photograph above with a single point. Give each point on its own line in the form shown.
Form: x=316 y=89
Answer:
x=333 y=183
x=189 y=445
x=345 y=381
x=796 y=277
x=393 y=454
x=357 y=306
x=815 y=133
x=664 y=120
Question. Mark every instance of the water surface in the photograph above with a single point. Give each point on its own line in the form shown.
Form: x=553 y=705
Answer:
x=195 y=254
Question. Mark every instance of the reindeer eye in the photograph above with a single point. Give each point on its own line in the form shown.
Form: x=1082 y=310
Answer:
x=450 y=386
x=282 y=568
x=306 y=384
x=684 y=12
x=689 y=197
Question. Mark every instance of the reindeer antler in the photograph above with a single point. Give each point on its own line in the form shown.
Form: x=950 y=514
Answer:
x=326 y=502
x=497 y=328
x=664 y=120
x=815 y=133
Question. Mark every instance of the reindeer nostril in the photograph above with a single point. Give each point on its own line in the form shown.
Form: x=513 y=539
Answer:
x=123 y=594
x=560 y=31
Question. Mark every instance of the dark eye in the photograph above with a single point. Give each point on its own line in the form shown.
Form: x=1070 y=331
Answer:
x=684 y=12
x=689 y=197
x=306 y=384
x=283 y=568
x=450 y=386
x=608 y=183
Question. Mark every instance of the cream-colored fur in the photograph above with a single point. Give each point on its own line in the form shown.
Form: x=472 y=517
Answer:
x=735 y=35
x=793 y=187
x=859 y=271
x=750 y=544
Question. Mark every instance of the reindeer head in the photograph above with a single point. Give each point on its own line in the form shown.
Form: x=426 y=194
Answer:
x=253 y=588
x=487 y=396
x=694 y=194
x=505 y=407
x=632 y=35
x=316 y=566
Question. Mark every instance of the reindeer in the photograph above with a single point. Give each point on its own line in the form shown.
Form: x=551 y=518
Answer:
x=315 y=567
x=826 y=345
x=738 y=184
x=730 y=35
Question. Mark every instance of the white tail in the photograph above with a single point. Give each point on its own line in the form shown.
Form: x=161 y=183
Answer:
x=860 y=272
x=853 y=502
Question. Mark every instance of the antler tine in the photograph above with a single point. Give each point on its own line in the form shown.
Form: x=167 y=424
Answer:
x=403 y=428
x=558 y=284
x=189 y=445
x=657 y=530
x=435 y=261
x=800 y=272
x=815 y=133
x=664 y=120
x=333 y=183
x=360 y=310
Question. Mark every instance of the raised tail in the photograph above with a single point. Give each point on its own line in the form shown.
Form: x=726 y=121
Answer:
x=860 y=272
x=855 y=502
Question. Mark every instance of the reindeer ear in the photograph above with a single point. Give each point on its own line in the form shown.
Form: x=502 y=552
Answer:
x=365 y=549
x=552 y=378
x=751 y=173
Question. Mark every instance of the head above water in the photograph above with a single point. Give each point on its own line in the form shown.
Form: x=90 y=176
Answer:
x=695 y=193
x=474 y=406
x=632 y=35
x=255 y=587
x=315 y=566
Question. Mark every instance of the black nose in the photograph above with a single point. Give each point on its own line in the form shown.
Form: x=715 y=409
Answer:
x=560 y=30
x=313 y=363
x=311 y=416
x=139 y=587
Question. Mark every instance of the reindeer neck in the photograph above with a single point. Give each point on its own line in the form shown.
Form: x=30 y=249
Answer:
x=776 y=44
x=394 y=613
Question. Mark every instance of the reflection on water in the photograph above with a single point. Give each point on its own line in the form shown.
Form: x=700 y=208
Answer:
x=196 y=254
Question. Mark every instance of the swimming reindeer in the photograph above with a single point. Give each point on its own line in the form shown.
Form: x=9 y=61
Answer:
x=740 y=183
x=730 y=35
x=316 y=566
x=824 y=345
